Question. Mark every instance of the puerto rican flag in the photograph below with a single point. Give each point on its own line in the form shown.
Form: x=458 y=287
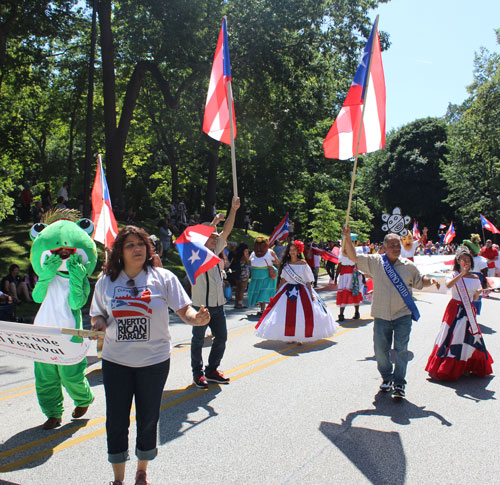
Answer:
x=442 y=226
x=368 y=90
x=281 y=231
x=216 y=118
x=195 y=256
x=450 y=234
x=103 y=218
x=130 y=306
x=486 y=224
x=415 y=231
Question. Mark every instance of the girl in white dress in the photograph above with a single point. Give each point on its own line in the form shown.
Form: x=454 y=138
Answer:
x=459 y=347
x=296 y=313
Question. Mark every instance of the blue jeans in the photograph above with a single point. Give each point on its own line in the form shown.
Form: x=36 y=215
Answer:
x=218 y=327
x=383 y=331
x=121 y=384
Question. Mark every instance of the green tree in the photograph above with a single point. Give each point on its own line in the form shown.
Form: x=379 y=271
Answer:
x=407 y=173
x=472 y=168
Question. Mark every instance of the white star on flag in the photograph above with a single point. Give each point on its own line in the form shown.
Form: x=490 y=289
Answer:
x=293 y=292
x=194 y=256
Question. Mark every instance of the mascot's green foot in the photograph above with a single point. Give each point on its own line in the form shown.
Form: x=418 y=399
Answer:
x=52 y=423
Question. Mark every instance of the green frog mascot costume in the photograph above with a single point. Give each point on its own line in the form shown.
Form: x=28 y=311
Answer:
x=63 y=256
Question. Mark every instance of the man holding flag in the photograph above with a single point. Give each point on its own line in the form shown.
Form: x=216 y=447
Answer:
x=208 y=291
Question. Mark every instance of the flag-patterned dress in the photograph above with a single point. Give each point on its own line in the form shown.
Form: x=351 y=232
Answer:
x=292 y=316
x=350 y=283
x=457 y=350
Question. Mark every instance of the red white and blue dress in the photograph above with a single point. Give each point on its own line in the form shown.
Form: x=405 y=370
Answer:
x=459 y=347
x=292 y=316
x=350 y=283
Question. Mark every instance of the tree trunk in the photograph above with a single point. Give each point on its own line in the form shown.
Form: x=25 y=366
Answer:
x=113 y=166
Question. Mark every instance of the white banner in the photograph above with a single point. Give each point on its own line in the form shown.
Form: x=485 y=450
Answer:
x=41 y=344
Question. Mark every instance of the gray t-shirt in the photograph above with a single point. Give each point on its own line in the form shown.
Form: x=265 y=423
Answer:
x=137 y=333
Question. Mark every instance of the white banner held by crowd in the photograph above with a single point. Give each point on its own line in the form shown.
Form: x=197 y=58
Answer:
x=41 y=344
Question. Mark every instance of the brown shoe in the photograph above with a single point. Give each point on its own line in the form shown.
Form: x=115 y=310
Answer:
x=141 y=478
x=79 y=411
x=52 y=423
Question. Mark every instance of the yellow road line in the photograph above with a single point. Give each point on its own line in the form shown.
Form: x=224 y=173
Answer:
x=16 y=389
x=296 y=349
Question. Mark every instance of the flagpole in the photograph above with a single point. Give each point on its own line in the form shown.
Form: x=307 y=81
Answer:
x=353 y=177
x=231 y=131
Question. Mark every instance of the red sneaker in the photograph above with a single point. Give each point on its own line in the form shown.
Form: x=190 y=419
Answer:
x=216 y=376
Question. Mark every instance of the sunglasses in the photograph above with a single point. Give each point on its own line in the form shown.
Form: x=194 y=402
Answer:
x=134 y=290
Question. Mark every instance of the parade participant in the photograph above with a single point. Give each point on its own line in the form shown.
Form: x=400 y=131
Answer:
x=130 y=303
x=459 y=347
x=350 y=283
x=312 y=255
x=480 y=266
x=296 y=313
x=209 y=291
x=262 y=285
x=241 y=272
x=392 y=308
x=63 y=256
x=490 y=253
x=410 y=245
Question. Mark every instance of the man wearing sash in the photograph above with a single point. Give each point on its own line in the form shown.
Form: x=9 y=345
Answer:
x=393 y=307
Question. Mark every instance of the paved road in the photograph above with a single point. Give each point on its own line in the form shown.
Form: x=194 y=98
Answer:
x=292 y=414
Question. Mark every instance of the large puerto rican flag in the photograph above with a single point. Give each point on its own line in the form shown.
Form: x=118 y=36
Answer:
x=195 y=256
x=103 y=218
x=216 y=118
x=450 y=234
x=486 y=224
x=281 y=231
x=368 y=90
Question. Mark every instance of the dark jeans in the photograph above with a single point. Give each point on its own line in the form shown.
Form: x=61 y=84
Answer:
x=383 y=333
x=218 y=327
x=121 y=384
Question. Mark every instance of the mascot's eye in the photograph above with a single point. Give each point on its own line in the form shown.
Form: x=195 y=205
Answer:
x=87 y=225
x=36 y=229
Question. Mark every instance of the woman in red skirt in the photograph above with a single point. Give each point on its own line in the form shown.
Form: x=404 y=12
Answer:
x=459 y=348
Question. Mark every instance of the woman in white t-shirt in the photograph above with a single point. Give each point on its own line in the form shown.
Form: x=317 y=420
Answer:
x=130 y=303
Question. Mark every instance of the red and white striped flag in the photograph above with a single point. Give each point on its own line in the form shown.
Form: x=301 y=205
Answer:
x=342 y=139
x=450 y=234
x=216 y=118
x=103 y=218
x=415 y=231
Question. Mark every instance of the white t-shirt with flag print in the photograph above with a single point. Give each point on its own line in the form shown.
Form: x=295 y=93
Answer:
x=137 y=333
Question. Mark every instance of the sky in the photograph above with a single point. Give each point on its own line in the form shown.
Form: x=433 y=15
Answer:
x=430 y=61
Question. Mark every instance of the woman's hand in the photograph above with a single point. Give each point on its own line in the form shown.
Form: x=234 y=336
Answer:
x=97 y=324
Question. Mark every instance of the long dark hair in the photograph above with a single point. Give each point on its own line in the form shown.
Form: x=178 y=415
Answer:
x=285 y=259
x=462 y=251
x=115 y=261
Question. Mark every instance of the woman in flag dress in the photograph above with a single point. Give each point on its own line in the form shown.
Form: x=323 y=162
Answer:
x=459 y=347
x=350 y=284
x=296 y=313
x=262 y=285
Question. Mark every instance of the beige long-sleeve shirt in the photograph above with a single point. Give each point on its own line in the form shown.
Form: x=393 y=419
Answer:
x=387 y=302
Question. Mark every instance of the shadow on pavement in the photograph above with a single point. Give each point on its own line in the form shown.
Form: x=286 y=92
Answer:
x=175 y=421
x=56 y=437
x=393 y=360
x=293 y=349
x=469 y=387
x=486 y=330
x=379 y=455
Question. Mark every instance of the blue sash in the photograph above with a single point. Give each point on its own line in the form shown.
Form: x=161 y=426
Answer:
x=401 y=287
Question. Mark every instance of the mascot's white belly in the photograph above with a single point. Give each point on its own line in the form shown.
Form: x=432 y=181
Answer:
x=54 y=310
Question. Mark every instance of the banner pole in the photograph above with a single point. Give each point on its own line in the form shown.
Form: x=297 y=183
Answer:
x=80 y=332
x=231 y=131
